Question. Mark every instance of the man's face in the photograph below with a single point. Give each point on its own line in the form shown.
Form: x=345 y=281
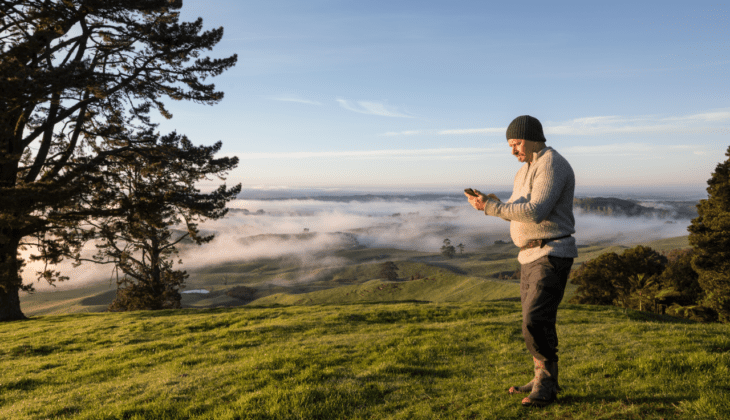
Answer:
x=518 y=149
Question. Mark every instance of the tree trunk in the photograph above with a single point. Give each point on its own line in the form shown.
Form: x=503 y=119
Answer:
x=10 y=305
x=10 y=280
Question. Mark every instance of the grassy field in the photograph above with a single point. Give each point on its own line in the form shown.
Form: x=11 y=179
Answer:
x=331 y=342
x=359 y=361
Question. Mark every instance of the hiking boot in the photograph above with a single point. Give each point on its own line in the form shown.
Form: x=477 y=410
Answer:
x=544 y=386
x=528 y=386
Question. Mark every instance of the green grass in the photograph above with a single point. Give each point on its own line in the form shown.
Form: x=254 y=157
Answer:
x=448 y=360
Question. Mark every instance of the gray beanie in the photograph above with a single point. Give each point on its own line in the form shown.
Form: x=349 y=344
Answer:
x=525 y=127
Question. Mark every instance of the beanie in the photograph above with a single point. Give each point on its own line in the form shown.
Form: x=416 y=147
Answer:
x=525 y=127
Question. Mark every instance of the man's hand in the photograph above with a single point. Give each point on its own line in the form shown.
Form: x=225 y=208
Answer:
x=476 y=200
x=479 y=200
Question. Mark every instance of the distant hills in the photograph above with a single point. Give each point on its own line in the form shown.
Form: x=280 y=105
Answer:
x=611 y=206
x=604 y=206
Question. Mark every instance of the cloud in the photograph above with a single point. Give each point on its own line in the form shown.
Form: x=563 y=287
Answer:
x=293 y=98
x=604 y=125
x=620 y=149
x=440 y=153
x=372 y=108
x=406 y=133
x=499 y=130
x=614 y=124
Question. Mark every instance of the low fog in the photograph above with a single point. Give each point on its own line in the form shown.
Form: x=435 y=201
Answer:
x=271 y=228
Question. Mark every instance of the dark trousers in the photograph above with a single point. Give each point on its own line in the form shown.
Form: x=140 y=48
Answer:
x=542 y=286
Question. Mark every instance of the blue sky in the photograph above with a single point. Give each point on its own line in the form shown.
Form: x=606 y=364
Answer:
x=417 y=94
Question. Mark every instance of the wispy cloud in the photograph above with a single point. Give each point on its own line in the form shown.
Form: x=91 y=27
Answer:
x=620 y=149
x=711 y=121
x=615 y=124
x=632 y=149
x=407 y=133
x=432 y=154
x=293 y=98
x=466 y=131
x=373 y=108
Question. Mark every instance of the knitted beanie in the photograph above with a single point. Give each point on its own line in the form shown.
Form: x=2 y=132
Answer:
x=525 y=127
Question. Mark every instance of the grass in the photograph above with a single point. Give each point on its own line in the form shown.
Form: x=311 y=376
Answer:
x=451 y=360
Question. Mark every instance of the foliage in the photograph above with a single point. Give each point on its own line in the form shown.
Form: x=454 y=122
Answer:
x=461 y=248
x=710 y=237
x=156 y=191
x=388 y=271
x=74 y=75
x=448 y=250
x=679 y=281
x=643 y=279
x=596 y=278
x=357 y=361
x=626 y=279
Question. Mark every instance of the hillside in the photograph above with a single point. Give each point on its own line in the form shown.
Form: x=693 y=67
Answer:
x=358 y=361
x=611 y=206
x=346 y=275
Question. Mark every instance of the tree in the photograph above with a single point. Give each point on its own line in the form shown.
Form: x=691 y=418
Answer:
x=155 y=191
x=74 y=75
x=461 y=248
x=678 y=281
x=627 y=280
x=636 y=283
x=710 y=237
x=388 y=270
x=448 y=250
x=679 y=292
x=596 y=278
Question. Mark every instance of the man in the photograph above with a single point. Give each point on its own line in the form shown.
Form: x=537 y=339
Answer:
x=540 y=212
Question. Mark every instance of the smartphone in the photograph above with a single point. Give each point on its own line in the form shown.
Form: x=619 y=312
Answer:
x=471 y=192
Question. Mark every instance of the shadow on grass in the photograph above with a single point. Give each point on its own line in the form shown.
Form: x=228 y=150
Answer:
x=421 y=371
x=653 y=403
x=653 y=317
x=104 y=298
x=631 y=314
x=449 y=267
x=24 y=384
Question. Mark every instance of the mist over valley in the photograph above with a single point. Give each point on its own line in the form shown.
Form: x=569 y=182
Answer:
x=293 y=244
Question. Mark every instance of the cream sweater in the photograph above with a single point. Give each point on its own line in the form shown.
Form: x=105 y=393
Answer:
x=541 y=207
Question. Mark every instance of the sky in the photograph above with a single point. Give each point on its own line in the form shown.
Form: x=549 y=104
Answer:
x=417 y=95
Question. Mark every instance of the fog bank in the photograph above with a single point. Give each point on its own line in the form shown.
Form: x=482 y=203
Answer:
x=307 y=229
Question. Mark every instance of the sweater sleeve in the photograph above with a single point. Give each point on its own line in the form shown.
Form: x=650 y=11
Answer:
x=547 y=185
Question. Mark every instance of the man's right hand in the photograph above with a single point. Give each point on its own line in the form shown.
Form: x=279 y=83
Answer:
x=476 y=201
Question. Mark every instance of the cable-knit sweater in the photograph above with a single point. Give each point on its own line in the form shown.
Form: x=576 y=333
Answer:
x=541 y=207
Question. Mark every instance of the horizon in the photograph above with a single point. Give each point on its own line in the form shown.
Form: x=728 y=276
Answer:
x=419 y=94
x=665 y=193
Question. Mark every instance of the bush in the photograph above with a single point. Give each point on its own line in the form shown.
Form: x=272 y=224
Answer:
x=641 y=278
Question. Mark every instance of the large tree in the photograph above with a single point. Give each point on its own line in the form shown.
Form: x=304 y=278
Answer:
x=158 y=207
x=710 y=237
x=75 y=75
